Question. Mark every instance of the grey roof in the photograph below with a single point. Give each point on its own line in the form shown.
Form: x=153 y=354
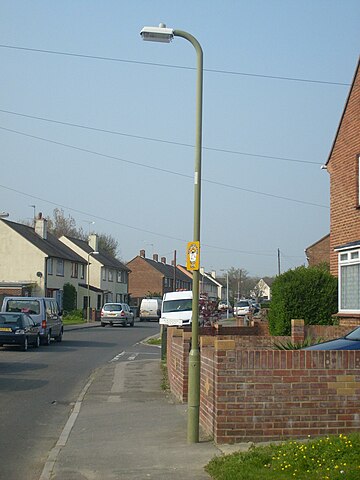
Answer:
x=103 y=257
x=52 y=247
x=168 y=270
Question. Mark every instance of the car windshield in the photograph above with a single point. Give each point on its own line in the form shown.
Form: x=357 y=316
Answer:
x=242 y=304
x=113 y=307
x=31 y=307
x=354 y=335
x=181 y=305
x=10 y=320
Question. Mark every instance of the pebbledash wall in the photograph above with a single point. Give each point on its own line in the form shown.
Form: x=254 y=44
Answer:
x=251 y=392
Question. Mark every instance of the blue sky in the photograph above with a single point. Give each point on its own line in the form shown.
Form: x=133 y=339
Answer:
x=135 y=181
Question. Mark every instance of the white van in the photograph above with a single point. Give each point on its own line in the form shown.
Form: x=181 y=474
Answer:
x=150 y=309
x=176 y=308
x=44 y=311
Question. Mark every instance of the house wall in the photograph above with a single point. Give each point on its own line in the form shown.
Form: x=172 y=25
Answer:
x=343 y=169
x=143 y=278
x=20 y=260
x=319 y=252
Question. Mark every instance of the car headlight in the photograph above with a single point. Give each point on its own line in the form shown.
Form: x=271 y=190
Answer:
x=19 y=332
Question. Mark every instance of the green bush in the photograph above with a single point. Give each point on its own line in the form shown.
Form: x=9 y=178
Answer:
x=307 y=293
x=69 y=298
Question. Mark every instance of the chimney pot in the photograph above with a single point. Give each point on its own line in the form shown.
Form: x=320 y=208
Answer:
x=142 y=253
x=155 y=257
x=163 y=260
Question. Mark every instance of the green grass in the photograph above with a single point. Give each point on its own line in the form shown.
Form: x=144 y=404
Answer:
x=73 y=318
x=327 y=458
x=165 y=379
x=154 y=341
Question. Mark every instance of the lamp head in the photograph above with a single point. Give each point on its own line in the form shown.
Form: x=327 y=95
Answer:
x=157 y=34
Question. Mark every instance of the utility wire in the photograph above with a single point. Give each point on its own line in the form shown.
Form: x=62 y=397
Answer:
x=169 y=142
x=224 y=72
x=92 y=152
x=92 y=215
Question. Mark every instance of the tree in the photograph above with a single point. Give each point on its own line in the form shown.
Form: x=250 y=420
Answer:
x=309 y=293
x=108 y=244
x=60 y=225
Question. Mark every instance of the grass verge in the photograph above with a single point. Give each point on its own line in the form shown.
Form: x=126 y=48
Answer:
x=326 y=458
x=73 y=318
x=165 y=379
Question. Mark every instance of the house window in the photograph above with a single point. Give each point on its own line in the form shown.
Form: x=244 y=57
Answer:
x=104 y=273
x=119 y=277
x=74 y=270
x=349 y=281
x=82 y=271
x=60 y=267
x=50 y=266
x=110 y=275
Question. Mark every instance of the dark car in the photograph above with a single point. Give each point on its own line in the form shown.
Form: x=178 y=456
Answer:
x=19 y=329
x=351 y=341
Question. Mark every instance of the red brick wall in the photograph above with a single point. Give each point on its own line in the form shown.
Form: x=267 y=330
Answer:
x=265 y=395
x=178 y=348
x=343 y=169
x=143 y=278
x=319 y=252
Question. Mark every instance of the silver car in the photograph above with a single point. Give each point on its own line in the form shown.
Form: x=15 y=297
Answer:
x=117 y=314
x=242 y=307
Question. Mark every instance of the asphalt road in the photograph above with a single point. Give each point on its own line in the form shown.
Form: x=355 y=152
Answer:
x=39 y=387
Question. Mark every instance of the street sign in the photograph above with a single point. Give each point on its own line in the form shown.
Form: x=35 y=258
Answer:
x=193 y=256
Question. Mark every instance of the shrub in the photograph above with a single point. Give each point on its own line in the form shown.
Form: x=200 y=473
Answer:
x=307 y=293
x=69 y=298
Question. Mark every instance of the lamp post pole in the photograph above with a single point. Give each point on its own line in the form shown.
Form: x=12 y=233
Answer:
x=163 y=34
x=88 y=286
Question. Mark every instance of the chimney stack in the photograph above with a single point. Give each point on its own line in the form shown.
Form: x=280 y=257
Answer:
x=142 y=253
x=94 y=242
x=163 y=260
x=41 y=226
x=155 y=257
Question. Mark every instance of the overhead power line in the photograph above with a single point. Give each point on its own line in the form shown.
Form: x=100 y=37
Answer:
x=152 y=139
x=113 y=157
x=164 y=65
x=98 y=217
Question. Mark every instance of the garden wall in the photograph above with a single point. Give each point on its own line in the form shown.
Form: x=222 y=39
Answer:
x=262 y=395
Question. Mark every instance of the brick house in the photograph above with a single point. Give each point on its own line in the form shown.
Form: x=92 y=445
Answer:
x=154 y=276
x=343 y=166
x=319 y=252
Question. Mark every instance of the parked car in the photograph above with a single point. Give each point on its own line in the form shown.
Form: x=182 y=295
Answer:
x=150 y=309
x=117 y=314
x=19 y=329
x=42 y=310
x=351 y=341
x=242 y=307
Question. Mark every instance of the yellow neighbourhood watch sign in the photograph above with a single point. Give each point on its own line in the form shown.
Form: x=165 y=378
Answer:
x=193 y=256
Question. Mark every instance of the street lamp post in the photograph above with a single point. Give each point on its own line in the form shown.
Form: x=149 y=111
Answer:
x=88 y=285
x=163 y=34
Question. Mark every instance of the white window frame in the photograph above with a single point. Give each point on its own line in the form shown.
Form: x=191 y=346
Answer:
x=346 y=258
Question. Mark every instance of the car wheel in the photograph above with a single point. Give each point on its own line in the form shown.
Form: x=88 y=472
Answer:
x=59 y=337
x=25 y=346
x=111 y=324
x=102 y=324
x=132 y=323
x=37 y=342
x=46 y=340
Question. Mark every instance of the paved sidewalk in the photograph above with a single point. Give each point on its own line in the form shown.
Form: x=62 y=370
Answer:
x=127 y=428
